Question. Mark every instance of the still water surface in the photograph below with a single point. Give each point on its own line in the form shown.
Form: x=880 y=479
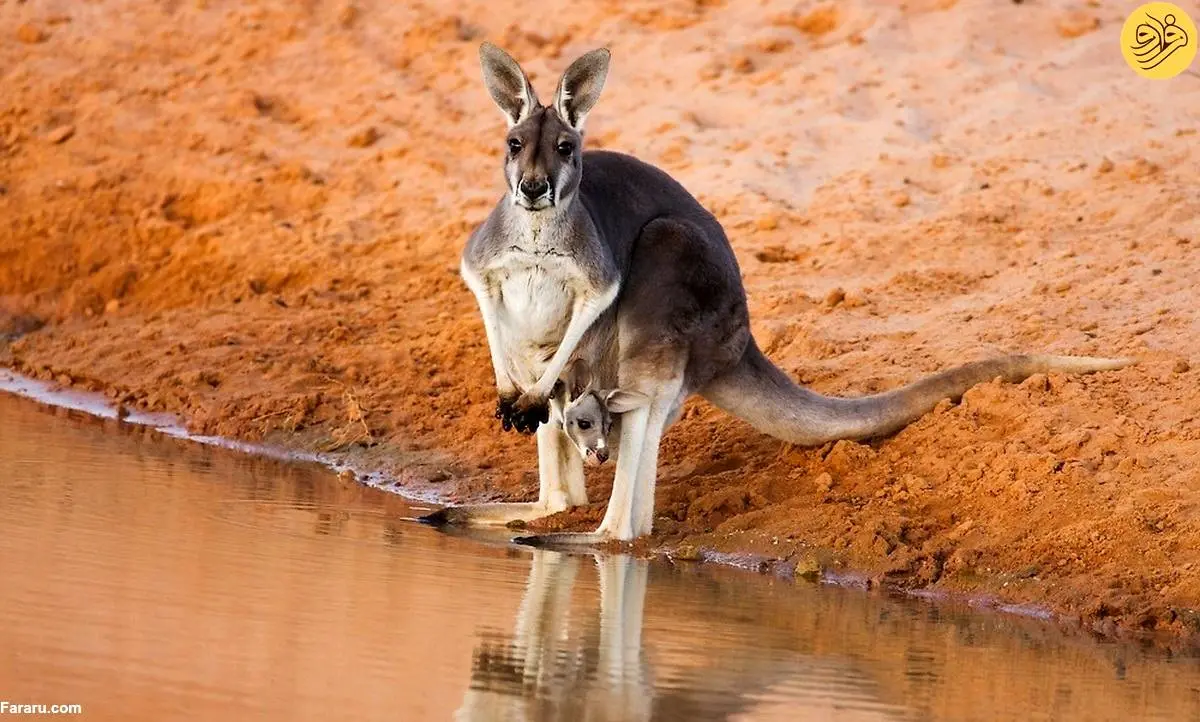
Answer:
x=148 y=578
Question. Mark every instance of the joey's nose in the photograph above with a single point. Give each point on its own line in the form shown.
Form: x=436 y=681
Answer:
x=534 y=188
x=601 y=455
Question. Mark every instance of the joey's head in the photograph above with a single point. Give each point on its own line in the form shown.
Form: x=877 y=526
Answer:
x=543 y=158
x=588 y=413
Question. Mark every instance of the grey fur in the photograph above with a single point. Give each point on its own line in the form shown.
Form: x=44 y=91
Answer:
x=507 y=83
x=580 y=87
x=621 y=266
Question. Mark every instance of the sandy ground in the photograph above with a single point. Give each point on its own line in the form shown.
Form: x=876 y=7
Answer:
x=251 y=213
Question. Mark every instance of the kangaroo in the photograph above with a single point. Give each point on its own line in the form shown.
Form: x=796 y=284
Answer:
x=589 y=416
x=602 y=256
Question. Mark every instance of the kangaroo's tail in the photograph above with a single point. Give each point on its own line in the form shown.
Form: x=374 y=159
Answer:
x=760 y=393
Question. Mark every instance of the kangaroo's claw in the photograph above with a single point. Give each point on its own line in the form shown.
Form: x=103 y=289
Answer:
x=505 y=412
x=524 y=420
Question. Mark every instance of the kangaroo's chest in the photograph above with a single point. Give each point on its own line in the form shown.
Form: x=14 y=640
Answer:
x=535 y=301
x=537 y=293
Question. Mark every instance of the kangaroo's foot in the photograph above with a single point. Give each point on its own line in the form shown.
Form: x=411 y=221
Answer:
x=497 y=514
x=565 y=539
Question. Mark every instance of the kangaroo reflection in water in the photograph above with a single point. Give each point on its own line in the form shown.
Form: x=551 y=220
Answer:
x=549 y=670
x=544 y=673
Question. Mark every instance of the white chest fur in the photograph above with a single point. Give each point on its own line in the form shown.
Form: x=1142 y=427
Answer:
x=536 y=296
x=535 y=282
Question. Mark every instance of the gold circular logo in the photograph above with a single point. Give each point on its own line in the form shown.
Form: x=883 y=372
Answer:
x=1158 y=40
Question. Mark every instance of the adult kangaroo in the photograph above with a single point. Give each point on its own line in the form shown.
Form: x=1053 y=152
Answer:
x=600 y=256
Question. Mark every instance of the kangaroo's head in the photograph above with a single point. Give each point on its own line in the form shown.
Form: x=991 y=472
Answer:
x=588 y=412
x=543 y=159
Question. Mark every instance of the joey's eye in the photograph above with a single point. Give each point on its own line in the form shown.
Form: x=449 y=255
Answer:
x=584 y=424
x=515 y=145
x=566 y=148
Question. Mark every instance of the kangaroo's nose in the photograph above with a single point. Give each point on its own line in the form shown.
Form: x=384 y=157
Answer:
x=534 y=188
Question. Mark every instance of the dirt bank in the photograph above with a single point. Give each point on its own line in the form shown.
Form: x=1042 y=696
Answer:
x=251 y=213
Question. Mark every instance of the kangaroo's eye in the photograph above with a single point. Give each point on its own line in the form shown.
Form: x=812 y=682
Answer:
x=515 y=145
x=584 y=424
x=566 y=148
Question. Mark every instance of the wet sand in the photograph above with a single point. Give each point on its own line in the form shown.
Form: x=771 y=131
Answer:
x=250 y=214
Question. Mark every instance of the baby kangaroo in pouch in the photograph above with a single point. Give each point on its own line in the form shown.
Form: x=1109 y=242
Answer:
x=598 y=256
x=590 y=416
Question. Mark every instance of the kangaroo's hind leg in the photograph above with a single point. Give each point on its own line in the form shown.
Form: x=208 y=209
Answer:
x=560 y=485
x=630 y=512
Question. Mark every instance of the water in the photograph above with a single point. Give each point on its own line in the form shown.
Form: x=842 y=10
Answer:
x=148 y=578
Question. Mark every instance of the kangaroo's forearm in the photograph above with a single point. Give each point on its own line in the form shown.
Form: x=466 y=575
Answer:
x=491 y=326
x=585 y=313
x=490 y=312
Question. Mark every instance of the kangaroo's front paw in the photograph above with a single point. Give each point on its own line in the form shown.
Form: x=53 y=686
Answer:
x=529 y=411
x=505 y=412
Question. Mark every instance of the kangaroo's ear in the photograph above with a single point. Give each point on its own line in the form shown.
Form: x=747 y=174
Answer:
x=619 y=401
x=580 y=87
x=579 y=378
x=507 y=84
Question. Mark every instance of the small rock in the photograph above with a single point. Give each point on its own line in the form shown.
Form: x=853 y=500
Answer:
x=31 y=34
x=61 y=134
x=364 y=138
x=809 y=569
x=1037 y=382
x=1076 y=23
x=346 y=475
x=767 y=223
x=122 y=412
x=1182 y=366
x=835 y=297
x=347 y=14
x=820 y=21
x=112 y=306
x=686 y=553
x=774 y=45
x=1027 y=573
x=711 y=70
x=1142 y=168
x=900 y=199
x=742 y=64
x=1106 y=166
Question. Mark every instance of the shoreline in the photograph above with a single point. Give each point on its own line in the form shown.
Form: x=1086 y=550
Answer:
x=786 y=569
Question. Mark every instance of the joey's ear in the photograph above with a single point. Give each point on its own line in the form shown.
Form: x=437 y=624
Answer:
x=619 y=401
x=559 y=392
x=507 y=84
x=579 y=378
x=580 y=87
